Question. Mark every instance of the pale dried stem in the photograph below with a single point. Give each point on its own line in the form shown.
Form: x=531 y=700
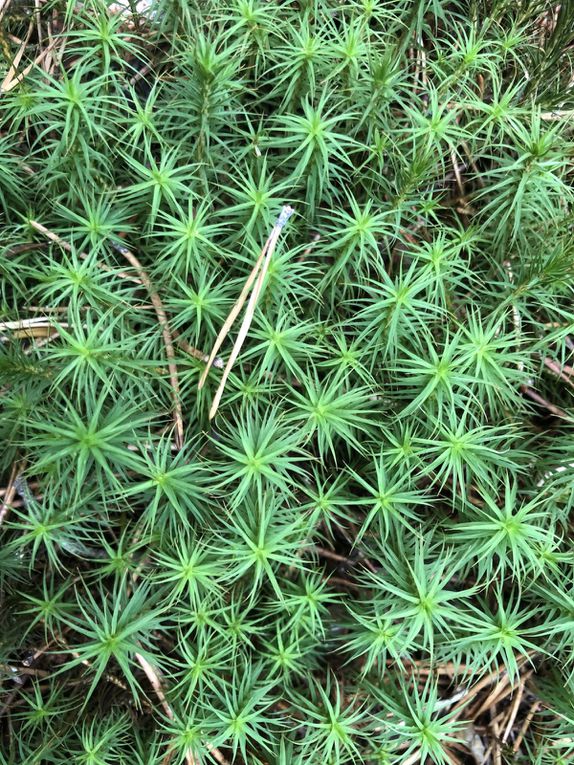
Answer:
x=552 y=408
x=257 y=275
x=412 y=759
x=484 y=683
x=10 y=84
x=562 y=372
x=497 y=756
x=16 y=60
x=10 y=493
x=501 y=689
x=183 y=344
x=155 y=682
x=4 y=7
x=233 y=315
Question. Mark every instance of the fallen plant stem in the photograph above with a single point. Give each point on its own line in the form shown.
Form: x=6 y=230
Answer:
x=167 y=339
x=258 y=272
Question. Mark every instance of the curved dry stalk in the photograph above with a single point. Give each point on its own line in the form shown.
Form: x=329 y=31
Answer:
x=160 y=313
x=183 y=344
x=10 y=492
x=167 y=339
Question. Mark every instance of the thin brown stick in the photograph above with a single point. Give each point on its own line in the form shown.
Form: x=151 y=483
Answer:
x=525 y=725
x=10 y=492
x=500 y=690
x=167 y=339
x=413 y=758
x=484 y=683
x=456 y=170
x=497 y=756
x=195 y=352
x=555 y=410
x=17 y=58
x=154 y=678
x=477 y=176
x=342 y=582
x=4 y=7
x=308 y=250
x=37 y=15
x=514 y=708
x=331 y=555
x=160 y=313
x=68 y=247
x=107 y=675
x=26 y=671
x=559 y=371
x=183 y=344
x=27 y=663
x=155 y=682
x=40 y=343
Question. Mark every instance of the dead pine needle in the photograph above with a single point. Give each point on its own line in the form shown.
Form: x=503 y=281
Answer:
x=257 y=275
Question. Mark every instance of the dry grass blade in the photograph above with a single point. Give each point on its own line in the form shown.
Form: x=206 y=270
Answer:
x=259 y=271
x=10 y=82
x=16 y=60
x=4 y=5
x=10 y=493
x=233 y=314
x=68 y=247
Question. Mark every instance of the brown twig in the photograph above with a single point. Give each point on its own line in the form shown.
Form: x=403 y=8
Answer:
x=153 y=676
x=183 y=344
x=555 y=410
x=16 y=60
x=167 y=339
x=144 y=280
x=4 y=7
x=457 y=174
x=27 y=664
x=562 y=372
x=497 y=756
x=502 y=688
x=10 y=492
x=331 y=555
x=514 y=708
x=309 y=249
x=342 y=583
x=68 y=247
x=413 y=758
x=525 y=725
x=472 y=692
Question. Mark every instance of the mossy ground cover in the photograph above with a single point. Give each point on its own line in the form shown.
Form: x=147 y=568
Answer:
x=365 y=553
